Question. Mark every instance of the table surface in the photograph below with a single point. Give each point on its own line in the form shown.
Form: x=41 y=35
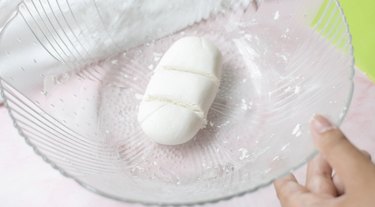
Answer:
x=26 y=180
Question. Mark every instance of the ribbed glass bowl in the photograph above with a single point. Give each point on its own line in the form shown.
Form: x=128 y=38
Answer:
x=73 y=74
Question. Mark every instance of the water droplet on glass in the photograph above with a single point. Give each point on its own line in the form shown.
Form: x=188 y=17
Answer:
x=268 y=170
x=288 y=89
x=285 y=147
x=297 y=89
x=284 y=58
x=332 y=102
x=139 y=52
x=342 y=114
x=61 y=79
x=44 y=92
x=157 y=56
x=277 y=15
x=228 y=168
x=244 y=153
x=276 y=158
x=223 y=124
x=243 y=105
x=151 y=67
x=297 y=130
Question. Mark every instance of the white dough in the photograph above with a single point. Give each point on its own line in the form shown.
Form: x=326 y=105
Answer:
x=181 y=91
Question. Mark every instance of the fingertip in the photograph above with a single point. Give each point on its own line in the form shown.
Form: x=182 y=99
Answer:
x=324 y=132
x=319 y=166
x=287 y=186
x=366 y=154
x=279 y=182
x=319 y=124
x=345 y=158
x=340 y=187
x=319 y=177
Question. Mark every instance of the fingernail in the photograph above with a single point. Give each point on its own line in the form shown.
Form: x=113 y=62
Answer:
x=320 y=124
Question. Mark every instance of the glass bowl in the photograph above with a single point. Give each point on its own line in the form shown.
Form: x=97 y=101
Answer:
x=73 y=74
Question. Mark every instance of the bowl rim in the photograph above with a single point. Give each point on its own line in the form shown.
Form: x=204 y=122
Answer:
x=202 y=202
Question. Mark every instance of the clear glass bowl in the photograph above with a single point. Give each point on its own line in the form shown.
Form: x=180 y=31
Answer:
x=73 y=74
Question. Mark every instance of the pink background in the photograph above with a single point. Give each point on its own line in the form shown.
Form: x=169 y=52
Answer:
x=26 y=180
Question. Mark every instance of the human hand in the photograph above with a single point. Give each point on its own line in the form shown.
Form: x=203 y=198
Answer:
x=353 y=183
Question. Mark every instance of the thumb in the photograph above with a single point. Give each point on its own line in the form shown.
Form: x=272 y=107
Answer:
x=347 y=160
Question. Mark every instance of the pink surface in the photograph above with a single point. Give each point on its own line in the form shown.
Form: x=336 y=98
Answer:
x=26 y=180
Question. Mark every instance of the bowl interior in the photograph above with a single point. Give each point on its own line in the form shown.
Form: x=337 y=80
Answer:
x=75 y=87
